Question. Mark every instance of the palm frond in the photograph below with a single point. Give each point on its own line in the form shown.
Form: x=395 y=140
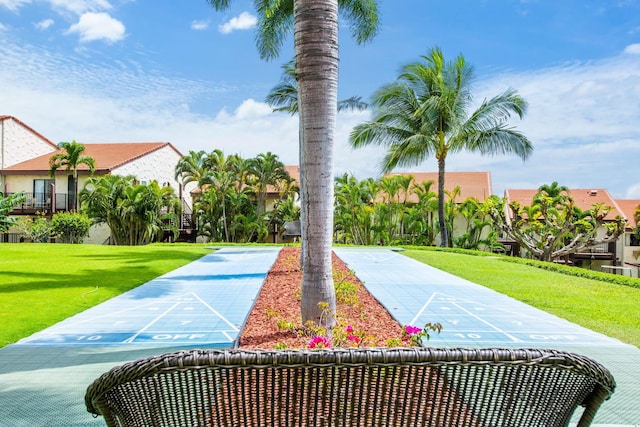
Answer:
x=363 y=18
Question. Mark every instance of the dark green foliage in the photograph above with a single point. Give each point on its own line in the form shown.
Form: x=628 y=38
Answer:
x=70 y=227
x=6 y=206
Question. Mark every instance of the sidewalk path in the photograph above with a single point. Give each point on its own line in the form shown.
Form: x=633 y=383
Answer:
x=475 y=316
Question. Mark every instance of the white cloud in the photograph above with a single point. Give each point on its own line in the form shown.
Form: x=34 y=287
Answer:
x=44 y=24
x=200 y=25
x=633 y=192
x=14 y=5
x=81 y=6
x=2 y=27
x=244 y=21
x=582 y=120
x=98 y=26
x=633 y=49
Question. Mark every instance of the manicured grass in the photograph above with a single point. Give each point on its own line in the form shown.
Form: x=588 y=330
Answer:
x=42 y=284
x=611 y=309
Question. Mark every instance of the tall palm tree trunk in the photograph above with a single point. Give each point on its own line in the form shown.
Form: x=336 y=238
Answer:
x=316 y=46
x=444 y=234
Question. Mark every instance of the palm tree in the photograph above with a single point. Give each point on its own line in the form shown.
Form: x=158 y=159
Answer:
x=315 y=25
x=70 y=158
x=425 y=113
x=266 y=169
x=194 y=168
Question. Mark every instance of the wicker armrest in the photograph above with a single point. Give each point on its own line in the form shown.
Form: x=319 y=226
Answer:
x=349 y=387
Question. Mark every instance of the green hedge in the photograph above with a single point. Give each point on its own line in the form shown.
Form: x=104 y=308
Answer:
x=550 y=266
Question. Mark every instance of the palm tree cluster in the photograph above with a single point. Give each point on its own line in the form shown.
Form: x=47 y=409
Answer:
x=397 y=210
x=230 y=203
x=136 y=213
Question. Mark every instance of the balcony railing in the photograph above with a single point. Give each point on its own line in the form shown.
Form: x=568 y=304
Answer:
x=41 y=202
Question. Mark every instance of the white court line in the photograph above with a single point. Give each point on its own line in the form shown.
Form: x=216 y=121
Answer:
x=514 y=339
x=132 y=338
x=217 y=314
x=136 y=309
x=424 y=307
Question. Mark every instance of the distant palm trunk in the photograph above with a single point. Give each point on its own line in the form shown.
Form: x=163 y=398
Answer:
x=316 y=45
x=444 y=235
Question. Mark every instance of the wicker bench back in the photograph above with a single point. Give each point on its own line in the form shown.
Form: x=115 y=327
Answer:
x=352 y=387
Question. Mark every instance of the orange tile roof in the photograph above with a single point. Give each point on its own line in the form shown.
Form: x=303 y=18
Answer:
x=108 y=156
x=472 y=184
x=627 y=206
x=29 y=128
x=584 y=198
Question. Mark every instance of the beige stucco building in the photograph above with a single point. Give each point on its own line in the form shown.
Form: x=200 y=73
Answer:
x=25 y=168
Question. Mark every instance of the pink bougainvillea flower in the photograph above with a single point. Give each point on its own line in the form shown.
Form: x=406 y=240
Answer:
x=412 y=330
x=353 y=338
x=349 y=329
x=319 y=342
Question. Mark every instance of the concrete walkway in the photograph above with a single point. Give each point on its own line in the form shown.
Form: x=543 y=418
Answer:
x=204 y=304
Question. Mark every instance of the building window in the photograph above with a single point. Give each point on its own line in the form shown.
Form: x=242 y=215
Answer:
x=634 y=240
x=42 y=192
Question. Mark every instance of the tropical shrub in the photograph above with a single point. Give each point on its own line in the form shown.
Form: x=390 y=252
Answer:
x=70 y=227
x=37 y=230
x=136 y=213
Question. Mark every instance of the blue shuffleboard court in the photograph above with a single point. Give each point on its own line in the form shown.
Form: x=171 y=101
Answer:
x=203 y=303
x=471 y=315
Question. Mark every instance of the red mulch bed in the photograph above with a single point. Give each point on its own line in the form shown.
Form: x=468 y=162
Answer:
x=281 y=294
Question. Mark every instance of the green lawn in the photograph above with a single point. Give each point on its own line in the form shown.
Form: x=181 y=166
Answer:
x=42 y=284
x=608 y=308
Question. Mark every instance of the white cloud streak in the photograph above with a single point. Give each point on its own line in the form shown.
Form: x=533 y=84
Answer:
x=200 y=25
x=633 y=49
x=582 y=118
x=79 y=7
x=244 y=21
x=44 y=24
x=13 y=5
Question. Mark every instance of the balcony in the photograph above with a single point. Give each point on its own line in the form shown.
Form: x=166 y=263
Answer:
x=41 y=202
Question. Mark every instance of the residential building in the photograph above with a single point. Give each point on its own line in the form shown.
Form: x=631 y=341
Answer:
x=25 y=168
x=631 y=241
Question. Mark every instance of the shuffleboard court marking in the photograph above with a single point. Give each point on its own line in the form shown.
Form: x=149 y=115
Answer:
x=424 y=307
x=134 y=336
x=470 y=313
x=202 y=303
x=110 y=328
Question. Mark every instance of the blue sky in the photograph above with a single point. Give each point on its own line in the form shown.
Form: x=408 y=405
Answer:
x=178 y=71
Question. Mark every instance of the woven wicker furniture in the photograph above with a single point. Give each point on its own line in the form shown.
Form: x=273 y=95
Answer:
x=352 y=387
